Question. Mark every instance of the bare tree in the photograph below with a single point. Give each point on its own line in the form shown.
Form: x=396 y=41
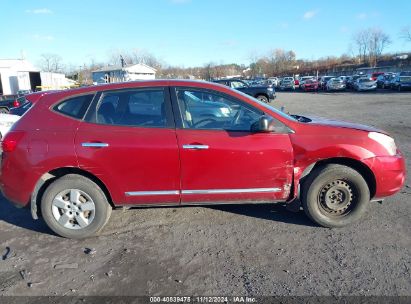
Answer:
x=51 y=63
x=378 y=41
x=370 y=44
x=360 y=41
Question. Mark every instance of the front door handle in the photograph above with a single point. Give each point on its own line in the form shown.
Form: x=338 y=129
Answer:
x=195 y=147
x=94 y=145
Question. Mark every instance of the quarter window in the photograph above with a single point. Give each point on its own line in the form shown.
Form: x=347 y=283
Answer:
x=75 y=107
x=209 y=110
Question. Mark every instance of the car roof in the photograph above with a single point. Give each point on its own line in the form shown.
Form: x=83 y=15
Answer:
x=51 y=97
x=34 y=97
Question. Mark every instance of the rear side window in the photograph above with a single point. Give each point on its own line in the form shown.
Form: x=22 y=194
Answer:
x=74 y=107
x=138 y=108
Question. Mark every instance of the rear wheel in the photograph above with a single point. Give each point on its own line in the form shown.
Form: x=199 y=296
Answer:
x=75 y=207
x=335 y=196
x=262 y=98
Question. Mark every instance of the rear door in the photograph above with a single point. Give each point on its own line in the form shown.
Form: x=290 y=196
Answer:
x=128 y=140
x=221 y=159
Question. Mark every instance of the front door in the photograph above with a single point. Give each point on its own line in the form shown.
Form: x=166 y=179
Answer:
x=128 y=140
x=221 y=159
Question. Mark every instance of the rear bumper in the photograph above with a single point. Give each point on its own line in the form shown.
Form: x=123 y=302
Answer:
x=390 y=174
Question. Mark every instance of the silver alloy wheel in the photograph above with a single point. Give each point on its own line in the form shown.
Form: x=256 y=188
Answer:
x=73 y=209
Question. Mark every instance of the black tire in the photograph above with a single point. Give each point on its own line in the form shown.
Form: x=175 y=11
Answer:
x=335 y=196
x=4 y=111
x=101 y=213
x=262 y=98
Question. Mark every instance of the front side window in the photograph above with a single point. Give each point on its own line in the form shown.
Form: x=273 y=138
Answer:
x=140 y=108
x=202 y=109
x=75 y=107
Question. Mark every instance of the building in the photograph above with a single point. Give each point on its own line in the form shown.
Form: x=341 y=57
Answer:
x=132 y=72
x=20 y=74
x=17 y=74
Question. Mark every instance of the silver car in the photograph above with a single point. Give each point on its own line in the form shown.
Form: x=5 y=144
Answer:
x=287 y=83
x=365 y=84
x=335 y=84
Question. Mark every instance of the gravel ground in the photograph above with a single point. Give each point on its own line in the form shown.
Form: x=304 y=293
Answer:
x=227 y=250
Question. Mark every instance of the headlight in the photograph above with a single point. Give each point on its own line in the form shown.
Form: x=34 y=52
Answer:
x=386 y=141
x=6 y=124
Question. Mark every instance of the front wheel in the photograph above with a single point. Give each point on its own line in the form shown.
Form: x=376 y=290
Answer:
x=75 y=207
x=262 y=98
x=335 y=196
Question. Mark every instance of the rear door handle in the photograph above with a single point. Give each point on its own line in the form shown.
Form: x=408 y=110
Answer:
x=195 y=147
x=94 y=145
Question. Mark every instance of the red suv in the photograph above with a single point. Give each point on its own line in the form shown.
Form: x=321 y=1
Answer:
x=77 y=154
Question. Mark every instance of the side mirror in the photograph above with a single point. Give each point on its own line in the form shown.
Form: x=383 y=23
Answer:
x=263 y=125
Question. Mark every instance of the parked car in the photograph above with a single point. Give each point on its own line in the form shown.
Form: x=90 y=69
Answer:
x=365 y=84
x=303 y=79
x=273 y=81
x=25 y=102
x=77 y=154
x=7 y=104
x=323 y=82
x=310 y=85
x=384 y=81
x=380 y=80
x=23 y=92
x=287 y=83
x=6 y=122
x=401 y=83
x=374 y=76
x=335 y=84
x=264 y=93
x=344 y=79
x=351 y=81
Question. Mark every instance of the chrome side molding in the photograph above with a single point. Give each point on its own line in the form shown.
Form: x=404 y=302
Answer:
x=144 y=193
x=205 y=191
x=223 y=191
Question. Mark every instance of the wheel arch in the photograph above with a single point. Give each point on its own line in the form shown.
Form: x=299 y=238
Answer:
x=355 y=164
x=47 y=178
x=262 y=94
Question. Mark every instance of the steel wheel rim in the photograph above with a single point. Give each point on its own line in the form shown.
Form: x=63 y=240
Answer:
x=337 y=198
x=73 y=209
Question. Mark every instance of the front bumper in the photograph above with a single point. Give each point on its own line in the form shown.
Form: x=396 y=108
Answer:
x=389 y=172
x=310 y=88
x=367 y=88
x=339 y=88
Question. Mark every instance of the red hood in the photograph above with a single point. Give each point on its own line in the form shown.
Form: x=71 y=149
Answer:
x=343 y=124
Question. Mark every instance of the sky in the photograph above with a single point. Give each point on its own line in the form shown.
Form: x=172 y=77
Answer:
x=193 y=32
